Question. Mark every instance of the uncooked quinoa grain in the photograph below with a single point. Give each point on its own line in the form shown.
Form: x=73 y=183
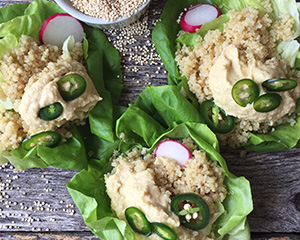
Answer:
x=109 y=10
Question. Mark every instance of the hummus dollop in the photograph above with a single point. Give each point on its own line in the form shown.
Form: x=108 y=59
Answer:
x=134 y=185
x=42 y=90
x=230 y=67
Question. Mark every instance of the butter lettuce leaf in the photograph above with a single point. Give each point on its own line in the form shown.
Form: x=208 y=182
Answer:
x=103 y=65
x=143 y=125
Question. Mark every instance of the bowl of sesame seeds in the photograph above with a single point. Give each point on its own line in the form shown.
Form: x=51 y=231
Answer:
x=105 y=14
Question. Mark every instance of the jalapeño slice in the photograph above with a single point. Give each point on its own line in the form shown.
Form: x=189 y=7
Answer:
x=280 y=84
x=267 y=102
x=215 y=117
x=245 y=91
x=177 y=205
x=138 y=221
x=164 y=231
x=51 y=111
x=48 y=139
x=71 y=86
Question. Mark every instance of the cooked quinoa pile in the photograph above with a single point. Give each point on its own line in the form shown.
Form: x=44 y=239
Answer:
x=31 y=64
x=149 y=183
x=109 y=10
x=254 y=34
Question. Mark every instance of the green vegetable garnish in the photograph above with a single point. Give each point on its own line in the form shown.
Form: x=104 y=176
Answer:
x=280 y=84
x=187 y=211
x=47 y=139
x=71 y=86
x=216 y=118
x=245 y=91
x=51 y=111
x=164 y=231
x=138 y=221
x=177 y=204
x=267 y=102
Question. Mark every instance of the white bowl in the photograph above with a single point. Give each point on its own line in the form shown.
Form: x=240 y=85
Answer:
x=67 y=6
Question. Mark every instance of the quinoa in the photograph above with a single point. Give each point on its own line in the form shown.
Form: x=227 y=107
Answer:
x=19 y=64
x=11 y=130
x=109 y=10
x=199 y=176
x=249 y=31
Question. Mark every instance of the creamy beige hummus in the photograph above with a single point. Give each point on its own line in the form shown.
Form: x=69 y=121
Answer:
x=42 y=91
x=134 y=185
x=230 y=67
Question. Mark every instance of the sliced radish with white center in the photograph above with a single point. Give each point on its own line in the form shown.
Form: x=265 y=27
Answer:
x=173 y=149
x=197 y=15
x=58 y=27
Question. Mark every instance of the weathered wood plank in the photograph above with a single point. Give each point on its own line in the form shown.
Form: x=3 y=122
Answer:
x=275 y=184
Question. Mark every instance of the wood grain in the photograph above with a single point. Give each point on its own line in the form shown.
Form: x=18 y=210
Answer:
x=35 y=204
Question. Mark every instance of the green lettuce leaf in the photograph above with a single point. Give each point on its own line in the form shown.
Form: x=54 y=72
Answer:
x=19 y=19
x=144 y=124
x=166 y=40
x=229 y=4
x=289 y=51
x=104 y=67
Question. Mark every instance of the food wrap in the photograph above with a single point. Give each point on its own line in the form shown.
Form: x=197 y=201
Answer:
x=103 y=66
x=158 y=112
x=166 y=40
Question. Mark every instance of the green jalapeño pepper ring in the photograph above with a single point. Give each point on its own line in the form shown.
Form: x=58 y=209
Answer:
x=51 y=111
x=138 y=221
x=47 y=139
x=280 y=84
x=164 y=231
x=267 y=102
x=245 y=91
x=219 y=121
x=194 y=202
x=71 y=86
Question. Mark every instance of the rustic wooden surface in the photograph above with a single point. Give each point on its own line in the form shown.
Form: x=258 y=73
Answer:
x=35 y=204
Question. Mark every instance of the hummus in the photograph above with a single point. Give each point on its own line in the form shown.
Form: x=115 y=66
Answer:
x=229 y=67
x=42 y=90
x=134 y=185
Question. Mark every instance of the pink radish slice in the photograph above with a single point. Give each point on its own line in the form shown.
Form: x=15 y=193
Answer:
x=197 y=15
x=58 y=27
x=173 y=149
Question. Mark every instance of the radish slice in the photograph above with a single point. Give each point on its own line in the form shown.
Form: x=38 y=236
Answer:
x=197 y=15
x=58 y=27
x=173 y=149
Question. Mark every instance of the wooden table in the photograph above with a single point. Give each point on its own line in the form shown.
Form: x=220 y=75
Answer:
x=35 y=204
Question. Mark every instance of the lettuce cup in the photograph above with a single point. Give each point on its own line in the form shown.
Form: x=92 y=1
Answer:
x=48 y=91
x=241 y=67
x=162 y=182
